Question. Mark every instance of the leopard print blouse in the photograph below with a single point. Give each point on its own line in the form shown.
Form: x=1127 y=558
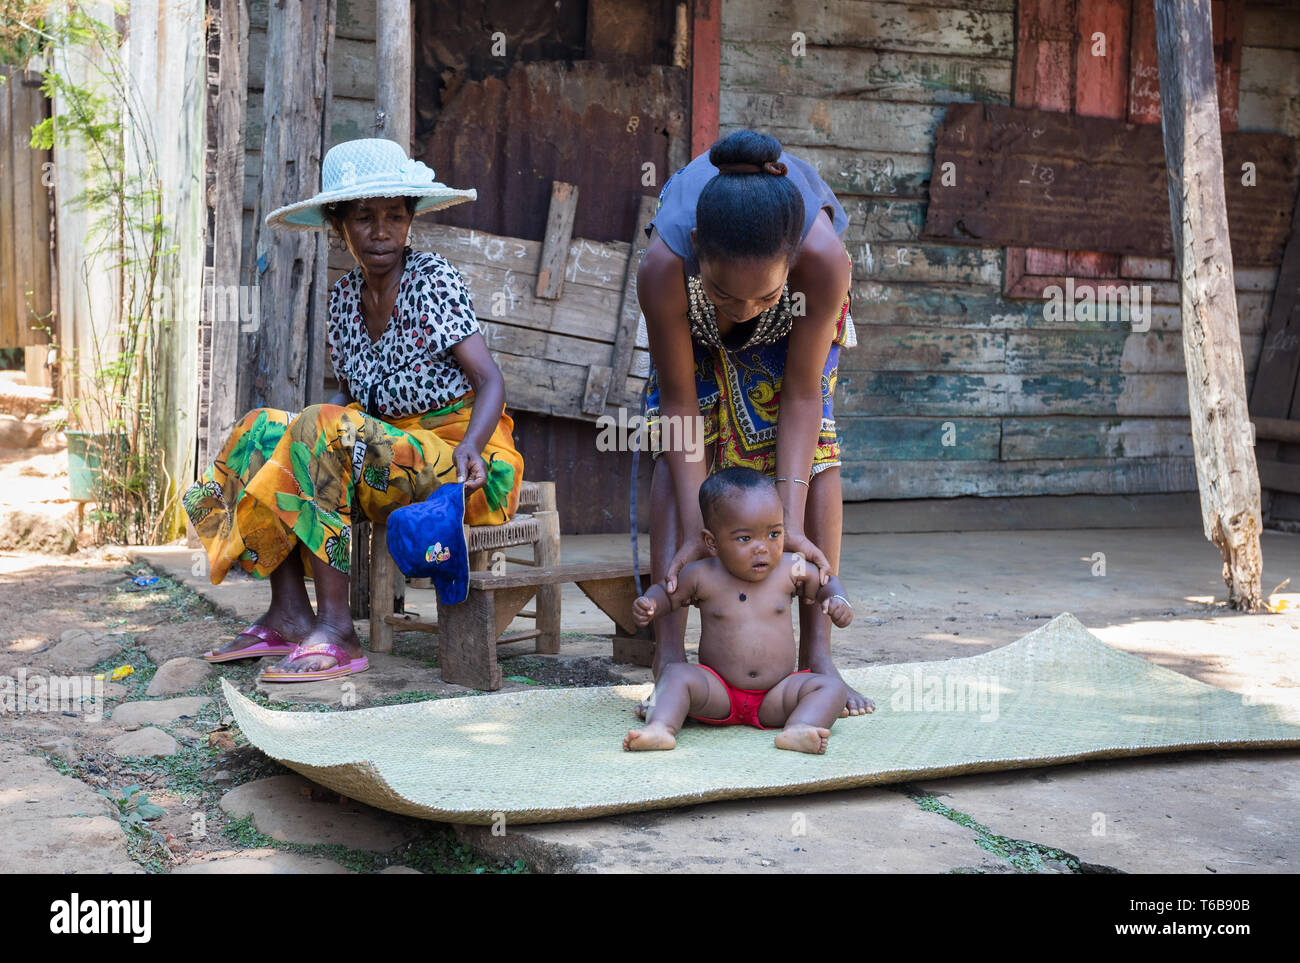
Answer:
x=410 y=370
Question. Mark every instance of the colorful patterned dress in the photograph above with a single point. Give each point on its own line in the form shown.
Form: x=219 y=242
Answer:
x=286 y=479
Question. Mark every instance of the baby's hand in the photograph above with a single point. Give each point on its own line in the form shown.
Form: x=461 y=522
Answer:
x=643 y=610
x=839 y=609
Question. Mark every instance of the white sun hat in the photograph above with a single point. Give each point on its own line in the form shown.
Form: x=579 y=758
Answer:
x=370 y=167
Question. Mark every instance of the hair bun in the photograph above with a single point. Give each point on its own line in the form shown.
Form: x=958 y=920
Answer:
x=745 y=152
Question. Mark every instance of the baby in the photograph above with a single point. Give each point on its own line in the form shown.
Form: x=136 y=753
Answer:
x=746 y=672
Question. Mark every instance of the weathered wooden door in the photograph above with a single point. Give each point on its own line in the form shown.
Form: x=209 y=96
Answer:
x=25 y=174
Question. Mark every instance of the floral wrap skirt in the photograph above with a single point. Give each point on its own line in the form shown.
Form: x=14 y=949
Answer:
x=286 y=479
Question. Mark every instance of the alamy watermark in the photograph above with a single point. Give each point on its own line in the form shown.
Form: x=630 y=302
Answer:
x=1103 y=304
x=81 y=695
x=945 y=692
x=631 y=432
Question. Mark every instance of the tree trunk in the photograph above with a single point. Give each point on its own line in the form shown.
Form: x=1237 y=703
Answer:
x=1216 y=381
x=286 y=361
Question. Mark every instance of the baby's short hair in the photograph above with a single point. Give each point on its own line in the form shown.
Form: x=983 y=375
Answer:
x=718 y=486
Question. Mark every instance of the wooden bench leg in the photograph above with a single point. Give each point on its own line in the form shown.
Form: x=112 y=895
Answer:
x=384 y=584
x=639 y=650
x=546 y=552
x=359 y=575
x=467 y=642
x=633 y=644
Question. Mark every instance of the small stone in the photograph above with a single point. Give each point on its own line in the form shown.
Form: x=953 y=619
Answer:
x=160 y=713
x=143 y=742
x=179 y=675
x=222 y=777
x=61 y=747
x=78 y=649
x=281 y=810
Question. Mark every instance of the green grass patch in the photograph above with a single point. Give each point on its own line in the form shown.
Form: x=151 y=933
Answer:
x=404 y=698
x=1024 y=856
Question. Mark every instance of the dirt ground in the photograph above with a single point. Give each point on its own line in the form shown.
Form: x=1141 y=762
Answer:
x=74 y=776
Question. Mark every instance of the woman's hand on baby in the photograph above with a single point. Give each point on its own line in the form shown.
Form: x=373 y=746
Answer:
x=469 y=468
x=643 y=610
x=692 y=549
x=798 y=543
x=839 y=609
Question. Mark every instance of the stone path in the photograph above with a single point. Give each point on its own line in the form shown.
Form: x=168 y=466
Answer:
x=923 y=597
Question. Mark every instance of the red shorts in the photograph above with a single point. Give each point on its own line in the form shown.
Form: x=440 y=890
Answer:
x=744 y=703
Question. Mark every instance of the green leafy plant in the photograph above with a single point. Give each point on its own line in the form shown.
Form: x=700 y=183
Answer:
x=115 y=384
x=133 y=806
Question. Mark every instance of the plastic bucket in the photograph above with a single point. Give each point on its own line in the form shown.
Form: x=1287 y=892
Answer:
x=85 y=449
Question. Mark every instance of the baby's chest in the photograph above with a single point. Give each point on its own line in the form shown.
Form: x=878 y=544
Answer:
x=742 y=605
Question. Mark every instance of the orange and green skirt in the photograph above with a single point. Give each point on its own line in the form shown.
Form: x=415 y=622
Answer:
x=286 y=479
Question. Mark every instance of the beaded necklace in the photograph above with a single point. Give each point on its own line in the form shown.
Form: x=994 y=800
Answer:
x=770 y=326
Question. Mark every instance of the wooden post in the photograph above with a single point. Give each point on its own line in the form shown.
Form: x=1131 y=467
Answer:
x=706 y=72
x=393 y=60
x=547 y=553
x=286 y=364
x=629 y=312
x=1216 y=380
x=232 y=95
x=555 y=245
x=385 y=582
x=359 y=572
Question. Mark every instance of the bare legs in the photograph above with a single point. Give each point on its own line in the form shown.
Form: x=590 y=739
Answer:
x=824 y=525
x=670 y=629
x=333 y=621
x=805 y=705
x=290 y=612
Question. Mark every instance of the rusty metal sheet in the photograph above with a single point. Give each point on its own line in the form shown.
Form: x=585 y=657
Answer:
x=1051 y=179
x=596 y=125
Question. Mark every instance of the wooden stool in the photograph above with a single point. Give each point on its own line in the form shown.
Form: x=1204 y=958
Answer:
x=540 y=529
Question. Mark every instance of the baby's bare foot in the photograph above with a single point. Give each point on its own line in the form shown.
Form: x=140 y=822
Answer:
x=649 y=737
x=803 y=738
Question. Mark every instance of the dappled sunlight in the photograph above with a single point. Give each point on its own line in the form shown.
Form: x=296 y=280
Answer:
x=983 y=642
x=487 y=733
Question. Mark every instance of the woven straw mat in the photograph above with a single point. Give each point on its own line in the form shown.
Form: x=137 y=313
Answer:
x=1057 y=695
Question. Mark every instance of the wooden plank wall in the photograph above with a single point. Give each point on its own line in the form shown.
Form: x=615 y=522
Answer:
x=954 y=389
x=353 y=92
x=1270 y=100
x=25 y=285
x=352 y=113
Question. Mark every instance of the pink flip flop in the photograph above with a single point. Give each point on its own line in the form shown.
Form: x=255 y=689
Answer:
x=273 y=643
x=346 y=665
